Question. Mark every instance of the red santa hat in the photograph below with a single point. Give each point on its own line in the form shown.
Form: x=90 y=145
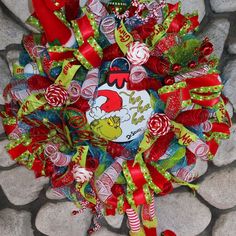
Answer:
x=55 y=29
x=111 y=107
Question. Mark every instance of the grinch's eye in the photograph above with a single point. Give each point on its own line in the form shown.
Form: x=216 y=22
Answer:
x=110 y=122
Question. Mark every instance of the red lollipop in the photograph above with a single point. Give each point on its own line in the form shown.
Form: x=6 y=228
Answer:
x=56 y=95
x=159 y=124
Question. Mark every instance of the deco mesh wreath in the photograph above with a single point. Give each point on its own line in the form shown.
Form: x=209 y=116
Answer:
x=115 y=102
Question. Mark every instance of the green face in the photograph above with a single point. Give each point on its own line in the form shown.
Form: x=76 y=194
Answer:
x=108 y=128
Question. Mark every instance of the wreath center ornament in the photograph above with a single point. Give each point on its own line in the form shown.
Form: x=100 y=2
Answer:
x=114 y=103
x=118 y=114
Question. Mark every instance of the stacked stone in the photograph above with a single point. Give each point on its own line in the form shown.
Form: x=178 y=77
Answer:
x=29 y=207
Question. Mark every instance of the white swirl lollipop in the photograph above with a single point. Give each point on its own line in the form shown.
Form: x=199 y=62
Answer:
x=138 y=53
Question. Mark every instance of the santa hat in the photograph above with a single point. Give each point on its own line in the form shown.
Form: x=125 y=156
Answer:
x=111 y=107
x=55 y=29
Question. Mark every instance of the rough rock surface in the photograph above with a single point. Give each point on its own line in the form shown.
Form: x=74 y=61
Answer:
x=20 y=8
x=23 y=190
x=229 y=75
x=223 y=6
x=15 y=223
x=225 y=225
x=115 y=221
x=10 y=31
x=217 y=31
x=192 y=6
x=232 y=46
x=226 y=153
x=177 y=210
x=105 y=232
x=64 y=223
x=5 y=159
x=230 y=109
x=218 y=188
x=1 y=126
x=4 y=76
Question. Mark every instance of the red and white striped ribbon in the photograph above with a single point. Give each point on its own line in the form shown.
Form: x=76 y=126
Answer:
x=108 y=178
x=189 y=174
x=192 y=74
x=206 y=126
x=148 y=211
x=107 y=27
x=199 y=148
x=98 y=9
x=56 y=157
x=74 y=91
x=90 y=84
x=80 y=174
x=16 y=133
x=152 y=207
x=137 y=74
x=56 y=95
x=134 y=221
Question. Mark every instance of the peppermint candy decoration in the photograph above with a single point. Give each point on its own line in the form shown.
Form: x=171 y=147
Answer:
x=56 y=95
x=159 y=124
x=138 y=53
x=80 y=174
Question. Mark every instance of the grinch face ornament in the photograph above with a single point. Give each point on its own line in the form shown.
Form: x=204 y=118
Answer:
x=118 y=114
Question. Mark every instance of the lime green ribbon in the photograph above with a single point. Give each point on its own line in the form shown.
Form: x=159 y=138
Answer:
x=32 y=103
x=123 y=37
x=67 y=74
x=145 y=144
x=185 y=136
x=161 y=29
x=81 y=155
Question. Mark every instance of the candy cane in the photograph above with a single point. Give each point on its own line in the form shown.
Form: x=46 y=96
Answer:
x=134 y=221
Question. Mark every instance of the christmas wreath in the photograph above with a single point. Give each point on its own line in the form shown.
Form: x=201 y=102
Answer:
x=114 y=103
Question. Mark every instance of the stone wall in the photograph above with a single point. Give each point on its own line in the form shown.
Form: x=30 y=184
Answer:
x=29 y=207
